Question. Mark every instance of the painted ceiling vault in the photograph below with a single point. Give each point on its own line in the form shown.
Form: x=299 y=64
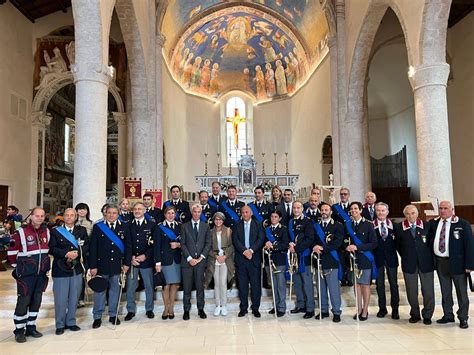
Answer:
x=266 y=48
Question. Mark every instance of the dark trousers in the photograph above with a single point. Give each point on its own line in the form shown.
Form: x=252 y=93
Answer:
x=427 y=290
x=392 y=280
x=249 y=273
x=446 y=280
x=345 y=260
x=30 y=293
x=193 y=274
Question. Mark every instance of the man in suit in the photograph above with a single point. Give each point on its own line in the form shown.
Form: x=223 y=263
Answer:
x=415 y=249
x=453 y=247
x=216 y=196
x=142 y=235
x=183 y=214
x=195 y=246
x=108 y=248
x=368 y=212
x=386 y=259
x=231 y=208
x=154 y=214
x=208 y=210
x=125 y=215
x=344 y=256
x=248 y=239
x=286 y=207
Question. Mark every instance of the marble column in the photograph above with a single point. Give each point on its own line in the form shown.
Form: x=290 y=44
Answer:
x=336 y=164
x=160 y=42
x=39 y=121
x=121 y=120
x=432 y=130
x=365 y=140
x=92 y=76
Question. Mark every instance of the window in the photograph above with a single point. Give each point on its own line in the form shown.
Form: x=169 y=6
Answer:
x=67 y=142
x=236 y=128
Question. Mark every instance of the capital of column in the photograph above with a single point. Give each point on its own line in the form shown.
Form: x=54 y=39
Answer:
x=340 y=9
x=428 y=75
x=40 y=119
x=120 y=118
x=160 y=39
x=101 y=73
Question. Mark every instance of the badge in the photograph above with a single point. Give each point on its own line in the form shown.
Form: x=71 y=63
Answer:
x=423 y=237
x=456 y=234
x=30 y=238
x=346 y=240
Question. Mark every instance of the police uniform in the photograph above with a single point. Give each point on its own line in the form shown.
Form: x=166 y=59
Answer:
x=344 y=255
x=314 y=215
x=207 y=213
x=235 y=206
x=218 y=199
x=28 y=253
x=154 y=214
x=107 y=258
x=164 y=255
x=386 y=260
x=125 y=217
x=416 y=253
x=183 y=213
x=68 y=275
x=264 y=209
x=303 y=232
x=329 y=277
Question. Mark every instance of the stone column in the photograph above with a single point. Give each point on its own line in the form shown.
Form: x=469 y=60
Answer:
x=365 y=139
x=92 y=76
x=160 y=42
x=336 y=164
x=432 y=130
x=121 y=120
x=39 y=121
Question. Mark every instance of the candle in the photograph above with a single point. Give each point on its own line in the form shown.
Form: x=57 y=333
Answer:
x=219 y=143
x=205 y=146
x=274 y=144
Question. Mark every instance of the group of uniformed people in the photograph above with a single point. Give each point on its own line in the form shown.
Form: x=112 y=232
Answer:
x=346 y=244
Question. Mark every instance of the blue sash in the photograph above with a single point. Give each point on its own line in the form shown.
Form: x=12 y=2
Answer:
x=148 y=217
x=167 y=204
x=342 y=213
x=301 y=265
x=202 y=217
x=368 y=254
x=230 y=212
x=255 y=212
x=69 y=236
x=169 y=233
x=112 y=236
x=321 y=235
x=212 y=203
x=269 y=235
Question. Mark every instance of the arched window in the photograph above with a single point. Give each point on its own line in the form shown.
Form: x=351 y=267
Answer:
x=236 y=128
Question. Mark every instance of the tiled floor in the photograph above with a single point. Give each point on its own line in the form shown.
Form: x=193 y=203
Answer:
x=219 y=335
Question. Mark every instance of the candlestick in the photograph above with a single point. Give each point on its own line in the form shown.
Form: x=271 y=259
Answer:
x=286 y=163
x=275 y=164
x=263 y=164
x=230 y=164
x=218 y=164
x=205 y=164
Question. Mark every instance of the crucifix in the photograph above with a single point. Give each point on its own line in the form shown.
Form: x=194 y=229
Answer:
x=236 y=120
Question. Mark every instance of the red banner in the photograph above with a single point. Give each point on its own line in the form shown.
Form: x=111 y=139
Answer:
x=157 y=197
x=132 y=188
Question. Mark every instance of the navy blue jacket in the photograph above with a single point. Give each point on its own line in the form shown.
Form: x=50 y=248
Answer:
x=256 y=243
x=229 y=222
x=155 y=214
x=461 y=244
x=104 y=255
x=142 y=240
x=365 y=232
x=265 y=210
x=209 y=212
x=60 y=246
x=336 y=216
x=162 y=245
x=333 y=237
x=280 y=245
x=386 y=252
x=416 y=252
x=285 y=218
x=183 y=213
x=221 y=198
x=125 y=217
x=304 y=237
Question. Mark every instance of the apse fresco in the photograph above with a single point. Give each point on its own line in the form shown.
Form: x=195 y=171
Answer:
x=256 y=48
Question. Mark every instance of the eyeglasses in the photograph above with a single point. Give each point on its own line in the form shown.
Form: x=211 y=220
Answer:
x=343 y=193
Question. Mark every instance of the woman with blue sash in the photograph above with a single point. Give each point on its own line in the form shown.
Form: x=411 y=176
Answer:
x=360 y=241
x=167 y=252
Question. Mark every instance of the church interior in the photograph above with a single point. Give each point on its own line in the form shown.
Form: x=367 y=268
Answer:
x=372 y=95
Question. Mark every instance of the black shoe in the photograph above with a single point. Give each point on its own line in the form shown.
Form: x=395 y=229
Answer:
x=256 y=313
x=171 y=316
x=395 y=315
x=362 y=318
x=343 y=283
x=426 y=321
x=324 y=315
x=355 y=317
x=349 y=284
x=33 y=333
x=59 y=331
x=272 y=311
x=164 y=316
x=445 y=320
x=129 y=316
x=20 y=337
x=336 y=318
x=72 y=328
x=382 y=313
x=308 y=315
x=186 y=315
x=202 y=314
x=280 y=314
x=114 y=320
x=414 y=320
x=150 y=314
x=463 y=324
x=298 y=310
x=242 y=313
x=97 y=323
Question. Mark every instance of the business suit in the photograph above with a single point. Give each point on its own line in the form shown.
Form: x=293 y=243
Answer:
x=285 y=217
x=368 y=212
x=248 y=271
x=416 y=254
x=451 y=268
x=194 y=246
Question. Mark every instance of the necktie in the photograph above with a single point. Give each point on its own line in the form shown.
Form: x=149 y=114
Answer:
x=383 y=231
x=70 y=231
x=325 y=224
x=195 y=228
x=247 y=235
x=138 y=223
x=413 y=229
x=273 y=228
x=288 y=209
x=371 y=210
x=356 y=224
x=112 y=226
x=442 y=238
x=232 y=204
x=259 y=204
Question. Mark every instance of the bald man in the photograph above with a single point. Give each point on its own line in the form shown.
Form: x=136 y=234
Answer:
x=453 y=248
x=368 y=212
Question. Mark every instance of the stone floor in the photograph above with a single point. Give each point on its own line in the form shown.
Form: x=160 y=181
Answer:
x=222 y=335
